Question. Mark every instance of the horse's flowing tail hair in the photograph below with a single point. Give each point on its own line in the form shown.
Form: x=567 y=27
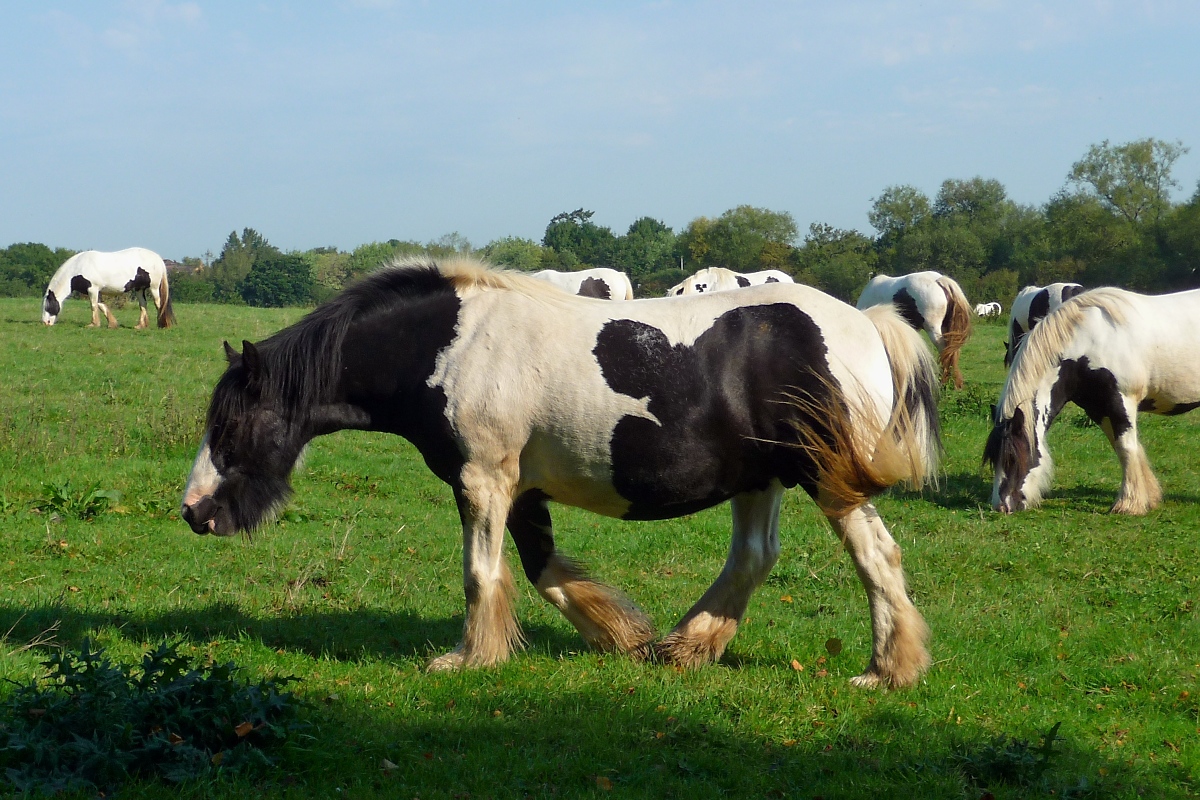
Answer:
x=858 y=455
x=166 y=313
x=956 y=329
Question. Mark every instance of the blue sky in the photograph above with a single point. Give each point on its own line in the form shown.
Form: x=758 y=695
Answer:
x=169 y=124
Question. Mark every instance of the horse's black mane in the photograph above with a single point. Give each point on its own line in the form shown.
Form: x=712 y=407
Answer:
x=299 y=365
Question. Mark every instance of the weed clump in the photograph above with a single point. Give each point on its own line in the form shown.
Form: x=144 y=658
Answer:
x=91 y=725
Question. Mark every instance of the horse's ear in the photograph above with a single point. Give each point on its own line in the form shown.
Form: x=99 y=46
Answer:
x=231 y=355
x=250 y=360
x=992 y=413
x=1018 y=420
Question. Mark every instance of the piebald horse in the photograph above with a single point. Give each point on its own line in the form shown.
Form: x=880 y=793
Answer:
x=599 y=282
x=930 y=302
x=992 y=309
x=517 y=394
x=135 y=270
x=719 y=279
x=1030 y=307
x=1113 y=353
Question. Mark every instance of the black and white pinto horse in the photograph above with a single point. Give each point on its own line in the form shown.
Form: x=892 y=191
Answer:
x=135 y=270
x=719 y=279
x=992 y=309
x=1032 y=305
x=930 y=302
x=518 y=394
x=599 y=282
x=1113 y=353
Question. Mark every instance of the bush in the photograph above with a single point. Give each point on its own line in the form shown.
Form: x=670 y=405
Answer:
x=278 y=279
x=91 y=724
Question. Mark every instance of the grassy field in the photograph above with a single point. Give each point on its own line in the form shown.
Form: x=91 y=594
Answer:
x=1060 y=616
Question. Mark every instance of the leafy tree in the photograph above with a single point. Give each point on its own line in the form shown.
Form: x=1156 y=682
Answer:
x=450 y=244
x=897 y=210
x=648 y=246
x=1181 y=243
x=1133 y=179
x=574 y=232
x=515 y=253
x=745 y=239
x=278 y=279
x=370 y=257
x=237 y=258
x=836 y=261
x=26 y=268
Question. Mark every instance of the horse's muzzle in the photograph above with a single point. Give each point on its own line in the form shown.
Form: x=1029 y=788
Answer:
x=201 y=515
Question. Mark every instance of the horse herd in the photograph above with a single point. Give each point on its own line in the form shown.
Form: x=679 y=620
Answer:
x=517 y=393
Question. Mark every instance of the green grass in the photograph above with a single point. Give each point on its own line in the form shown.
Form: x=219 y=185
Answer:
x=1060 y=616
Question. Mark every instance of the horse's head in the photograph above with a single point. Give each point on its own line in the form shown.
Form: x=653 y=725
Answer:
x=1019 y=458
x=240 y=476
x=50 y=308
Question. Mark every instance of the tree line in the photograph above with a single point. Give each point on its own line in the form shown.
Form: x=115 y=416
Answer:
x=1112 y=223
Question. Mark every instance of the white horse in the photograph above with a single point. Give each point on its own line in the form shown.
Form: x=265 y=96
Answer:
x=1033 y=303
x=930 y=302
x=992 y=309
x=719 y=279
x=1113 y=353
x=135 y=270
x=601 y=282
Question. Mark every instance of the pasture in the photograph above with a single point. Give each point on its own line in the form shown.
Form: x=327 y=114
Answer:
x=1063 y=615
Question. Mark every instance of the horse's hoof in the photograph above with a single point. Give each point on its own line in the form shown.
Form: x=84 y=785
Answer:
x=449 y=662
x=868 y=680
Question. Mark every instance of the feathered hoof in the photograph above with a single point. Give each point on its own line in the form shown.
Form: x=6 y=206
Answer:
x=449 y=662
x=1132 y=508
x=869 y=680
x=685 y=652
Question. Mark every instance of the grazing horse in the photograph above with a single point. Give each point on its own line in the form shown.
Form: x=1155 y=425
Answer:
x=135 y=270
x=1113 y=353
x=719 y=279
x=992 y=309
x=599 y=282
x=931 y=302
x=517 y=394
x=1032 y=305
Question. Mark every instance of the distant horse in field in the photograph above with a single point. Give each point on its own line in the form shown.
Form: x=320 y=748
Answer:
x=719 y=279
x=1113 y=353
x=517 y=394
x=136 y=270
x=992 y=309
x=1033 y=303
x=930 y=302
x=599 y=282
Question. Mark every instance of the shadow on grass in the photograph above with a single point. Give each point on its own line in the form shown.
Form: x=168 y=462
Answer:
x=527 y=741
x=342 y=635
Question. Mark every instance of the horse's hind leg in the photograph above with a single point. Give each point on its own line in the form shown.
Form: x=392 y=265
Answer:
x=899 y=634
x=702 y=634
x=490 y=631
x=604 y=617
x=94 y=299
x=1140 y=491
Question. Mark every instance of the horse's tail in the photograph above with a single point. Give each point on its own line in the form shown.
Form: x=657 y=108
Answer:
x=166 y=313
x=956 y=329
x=858 y=455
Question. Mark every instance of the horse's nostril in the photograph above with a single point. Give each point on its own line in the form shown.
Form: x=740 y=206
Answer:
x=198 y=515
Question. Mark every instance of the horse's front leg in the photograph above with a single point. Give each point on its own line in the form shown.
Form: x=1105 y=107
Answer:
x=1140 y=491
x=490 y=631
x=702 y=634
x=899 y=634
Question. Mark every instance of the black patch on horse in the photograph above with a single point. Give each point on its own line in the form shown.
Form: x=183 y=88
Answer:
x=771 y=279
x=1093 y=390
x=1070 y=291
x=1169 y=411
x=742 y=281
x=51 y=304
x=595 y=287
x=1039 y=307
x=140 y=282
x=532 y=531
x=907 y=307
x=721 y=406
x=80 y=284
